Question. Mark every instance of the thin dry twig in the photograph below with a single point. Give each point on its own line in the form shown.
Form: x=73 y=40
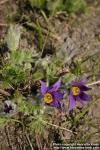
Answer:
x=38 y=142
x=3 y=25
x=4 y=92
x=45 y=42
x=8 y=138
x=3 y=1
x=45 y=31
x=62 y=128
x=54 y=125
x=93 y=83
x=29 y=141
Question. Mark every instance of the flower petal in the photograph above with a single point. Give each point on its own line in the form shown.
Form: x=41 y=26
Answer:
x=57 y=95
x=56 y=104
x=83 y=96
x=80 y=100
x=81 y=82
x=84 y=88
x=72 y=102
x=43 y=87
x=55 y=86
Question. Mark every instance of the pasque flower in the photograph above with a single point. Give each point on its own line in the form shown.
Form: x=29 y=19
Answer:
x=51 y=95
x=77 y=93
x=9 y=107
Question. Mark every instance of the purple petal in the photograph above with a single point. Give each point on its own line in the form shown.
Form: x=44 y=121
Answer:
x=57 y=95
x=83 y=87
x=74 y=82
x=80 y=100
x=84 y=80
x=56 y=104
x=43 y=87
x=55 y=86
x=83 y=96
x=81 y=82
x=72 y=102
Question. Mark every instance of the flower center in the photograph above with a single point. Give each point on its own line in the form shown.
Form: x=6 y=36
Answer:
x=75 y=90
x=48 y=98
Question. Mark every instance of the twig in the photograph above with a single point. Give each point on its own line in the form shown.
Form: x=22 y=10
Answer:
x=8 y=139
x=3 y=24
x=44 y=43
x=4 y=92
x=29 y=141
x=45 y=31
x=3 y=1
x=93 y=83
x=38 y=142
x=62 y=128
x=54 y=125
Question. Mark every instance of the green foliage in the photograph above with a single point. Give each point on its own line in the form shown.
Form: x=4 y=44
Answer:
x=53 y=6
x=17 y=68
x=37 y=3
x=53 y=68
x=79 y=116
x=77 y=70
x=37 y=125
x=96 y=70
x=22 y=102
x=13 y=75
x=73 y=6
x=19 y=57
x=35 y=112
x=3 y=121
x=40 y=35
x=68 y=77
x=38 y=75
x=13 y=37
x=38 y=120
x=26 y=105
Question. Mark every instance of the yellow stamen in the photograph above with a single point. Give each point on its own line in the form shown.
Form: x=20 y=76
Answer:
x=48 y=98
x=75 y=90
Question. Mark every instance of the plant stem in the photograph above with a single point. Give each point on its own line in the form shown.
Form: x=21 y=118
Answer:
x=93 y=83
x=54 y=125
x=38 y=141
x=4 y=92
x=3 y=1
x=62 y=128
x=29 y=141
x=8 y=138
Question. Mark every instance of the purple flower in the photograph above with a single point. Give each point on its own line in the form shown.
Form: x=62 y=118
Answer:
x=77 y=93
x=51 y=95
x=9 y=107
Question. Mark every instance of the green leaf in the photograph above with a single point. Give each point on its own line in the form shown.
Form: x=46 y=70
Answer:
x=80 y=115
x=3 y=121
x=73 y=6
x=38 y=75
x=13 y=37
x=37 y=125
x=53 y=68
x=20 y=56
x=21 y=102
x=54 y=6
x=37 y=3
x=68 y=77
